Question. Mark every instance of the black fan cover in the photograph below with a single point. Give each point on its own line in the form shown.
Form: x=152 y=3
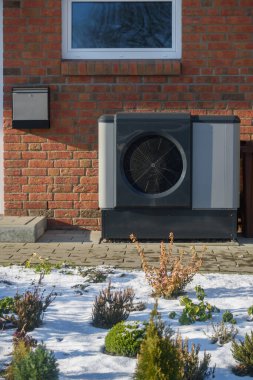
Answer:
x=153 y=164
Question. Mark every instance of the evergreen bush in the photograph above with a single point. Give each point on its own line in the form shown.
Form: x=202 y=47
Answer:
x=242 y=352
x=39 y=364
x=227 y=316
x=164 y=358
x=125 y=338
x=20 y=351
x=159 y=358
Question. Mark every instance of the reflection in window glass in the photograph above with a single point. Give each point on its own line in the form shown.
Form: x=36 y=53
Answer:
x=121 y=25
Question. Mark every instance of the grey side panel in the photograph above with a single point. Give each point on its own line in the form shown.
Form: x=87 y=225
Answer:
x=216 y=164
x=107 y=169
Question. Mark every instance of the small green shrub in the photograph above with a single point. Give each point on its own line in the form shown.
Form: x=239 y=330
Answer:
x=41 y=265
x=159 y=358
x=125 y=338
x=164 y=358
x=110 y=307
x=242 y=352
x=7 y=308
x=172 y=315
x=193 y=312
x=222 y=333
x=250 y=310
x=20 y=351
x=227 y=316
x=39 y=364
x=6 y=305
x=93 y=275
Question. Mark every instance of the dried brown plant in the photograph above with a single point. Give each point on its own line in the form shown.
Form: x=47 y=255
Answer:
x=172 y=275
x=111 y=307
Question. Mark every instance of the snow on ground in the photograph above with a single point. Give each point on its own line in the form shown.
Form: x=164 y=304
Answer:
x=78 y=346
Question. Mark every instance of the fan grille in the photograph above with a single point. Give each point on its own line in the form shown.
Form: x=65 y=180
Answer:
x=153 y=164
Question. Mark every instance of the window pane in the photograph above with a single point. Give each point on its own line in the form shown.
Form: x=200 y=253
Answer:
x=121 y=25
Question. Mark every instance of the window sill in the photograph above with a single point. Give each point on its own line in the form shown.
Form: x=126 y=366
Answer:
x=121 y=67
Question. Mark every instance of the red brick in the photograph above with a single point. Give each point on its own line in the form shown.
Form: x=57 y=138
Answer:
x=59 y=155
x=16 y=180
x=66 y=164
x=66 y=213
x=15 y=163
x=67 y=180
x=86 y=222
x=93 y=188
x=34 y=172
x=15 y=197
x=16 y=212
x=34 y=155
x=89 y=197
x=60 y=188
x=60 y=204
x=15 y=146
x=40 y=180
x=53 y=146
x=53 y=172
x=66 y=197
x=13 y=205
x=35 y=205
x=40 y=197
x=34 y=188
x=86 y=205
x=92 y=172
x=12 y=155
x=12 y=172
x=72 y=171
x=88 y=180
x=41 y=164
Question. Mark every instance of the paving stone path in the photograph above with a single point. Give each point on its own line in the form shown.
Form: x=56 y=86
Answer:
x=81 y=249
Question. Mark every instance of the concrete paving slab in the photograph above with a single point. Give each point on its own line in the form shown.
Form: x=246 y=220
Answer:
x=22 y=229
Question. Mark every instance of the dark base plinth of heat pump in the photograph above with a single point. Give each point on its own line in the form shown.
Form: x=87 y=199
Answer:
x=148 y=223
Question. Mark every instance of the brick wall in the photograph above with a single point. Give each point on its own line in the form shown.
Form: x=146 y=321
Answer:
x=54 y=172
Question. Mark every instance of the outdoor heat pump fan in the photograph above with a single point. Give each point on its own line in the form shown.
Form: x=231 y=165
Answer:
x=147 y=181
x=153 y=165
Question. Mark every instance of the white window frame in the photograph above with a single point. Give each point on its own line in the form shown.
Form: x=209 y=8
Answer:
x=146 y=53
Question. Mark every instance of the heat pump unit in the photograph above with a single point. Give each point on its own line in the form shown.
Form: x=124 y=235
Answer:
x=162 y=172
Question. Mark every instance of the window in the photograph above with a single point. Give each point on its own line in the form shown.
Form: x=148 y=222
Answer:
x=121 y=29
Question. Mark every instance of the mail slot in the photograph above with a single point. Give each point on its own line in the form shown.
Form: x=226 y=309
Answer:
x=30 y=107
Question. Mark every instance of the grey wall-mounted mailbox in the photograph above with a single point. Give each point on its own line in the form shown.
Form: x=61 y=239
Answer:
x=30 y=107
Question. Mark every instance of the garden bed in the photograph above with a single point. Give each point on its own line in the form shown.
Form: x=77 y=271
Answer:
x=79 y=347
